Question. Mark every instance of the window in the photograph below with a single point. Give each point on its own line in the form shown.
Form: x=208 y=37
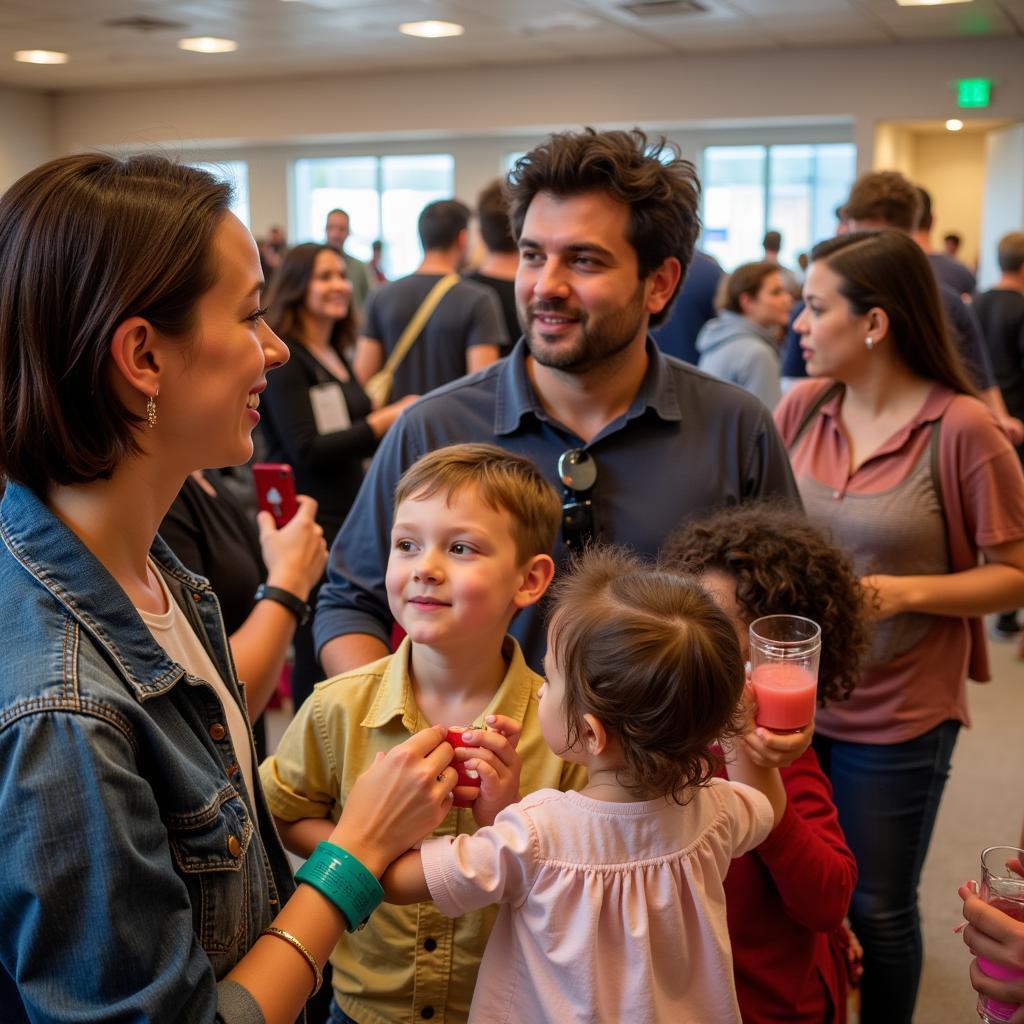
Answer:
x=383 y=197
x=792 y=189
x=236 y=174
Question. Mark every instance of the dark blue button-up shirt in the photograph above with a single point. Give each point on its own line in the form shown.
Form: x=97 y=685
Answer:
x=688 y=444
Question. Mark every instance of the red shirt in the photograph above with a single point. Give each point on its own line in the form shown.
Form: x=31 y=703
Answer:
x=785 y=901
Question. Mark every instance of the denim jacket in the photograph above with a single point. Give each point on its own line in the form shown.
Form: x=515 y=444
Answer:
x=134 y=870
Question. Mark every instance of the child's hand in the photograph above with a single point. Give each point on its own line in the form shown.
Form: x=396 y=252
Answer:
x=508 y=727
x=492 y=754
x=769 y=749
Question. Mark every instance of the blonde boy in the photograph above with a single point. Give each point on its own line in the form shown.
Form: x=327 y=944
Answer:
x=469 y=547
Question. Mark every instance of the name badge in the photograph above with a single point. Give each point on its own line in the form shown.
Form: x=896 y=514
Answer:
x=330 y=410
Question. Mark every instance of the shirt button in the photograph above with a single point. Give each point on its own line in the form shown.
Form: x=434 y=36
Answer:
x=836 y=494
x=217 y=732
x=427 y=1012
x=430 y=945
x=234 y=846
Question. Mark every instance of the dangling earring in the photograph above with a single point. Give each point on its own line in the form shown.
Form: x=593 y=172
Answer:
x=151 y=409
x=869 y=342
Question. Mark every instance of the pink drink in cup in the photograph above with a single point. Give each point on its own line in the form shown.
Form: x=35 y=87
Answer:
x=784 y=653
x=1002 y=886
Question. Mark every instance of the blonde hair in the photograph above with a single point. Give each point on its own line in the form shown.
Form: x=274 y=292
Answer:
x=651 y=656
x=506 y=482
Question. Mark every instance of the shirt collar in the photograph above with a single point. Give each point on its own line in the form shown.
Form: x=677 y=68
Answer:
x=515 y=396
x=932 y=408
x=395 y=697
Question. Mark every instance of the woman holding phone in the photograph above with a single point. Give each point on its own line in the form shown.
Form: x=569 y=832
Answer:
x=142 y=874
x=317 y=418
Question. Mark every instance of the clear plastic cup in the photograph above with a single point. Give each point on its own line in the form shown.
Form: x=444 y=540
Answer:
x=784 y=654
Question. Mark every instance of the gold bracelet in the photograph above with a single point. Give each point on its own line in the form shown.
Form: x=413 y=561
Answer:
x=280 y=933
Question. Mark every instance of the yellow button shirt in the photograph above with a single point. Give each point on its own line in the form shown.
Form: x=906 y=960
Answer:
x=410 y=963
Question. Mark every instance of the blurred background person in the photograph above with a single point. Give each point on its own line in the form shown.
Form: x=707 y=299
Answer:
x=336 y=232
x=464 y=331
x=316 y=417
x=272 y=250
x=498 y=268
x=694 y=306
x=1000 y=312
x=772 y=247
x=742 y=343
x=376 y=263
x=949 y=270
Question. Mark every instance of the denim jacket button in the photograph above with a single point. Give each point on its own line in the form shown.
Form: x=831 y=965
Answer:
x=196 y=597
x=217 y=732
x=234 y=846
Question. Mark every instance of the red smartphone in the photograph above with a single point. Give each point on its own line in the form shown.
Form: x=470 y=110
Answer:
x=275 y=490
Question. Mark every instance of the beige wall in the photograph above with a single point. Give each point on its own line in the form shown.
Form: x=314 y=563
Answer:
x=26 y=132
x=951 y=166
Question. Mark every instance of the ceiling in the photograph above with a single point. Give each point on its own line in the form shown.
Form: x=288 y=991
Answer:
x=278 y=38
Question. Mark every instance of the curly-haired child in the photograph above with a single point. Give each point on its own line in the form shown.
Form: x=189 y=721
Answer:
x=612 y=906
x=787 y=900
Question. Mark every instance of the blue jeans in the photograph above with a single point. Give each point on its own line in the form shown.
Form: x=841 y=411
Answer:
x=887 y=797
x=338 y=1015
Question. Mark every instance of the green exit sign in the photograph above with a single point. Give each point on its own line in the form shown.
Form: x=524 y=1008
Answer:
x=973 y=92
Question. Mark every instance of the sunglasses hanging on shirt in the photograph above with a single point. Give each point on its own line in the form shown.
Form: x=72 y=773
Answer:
x=578 y=473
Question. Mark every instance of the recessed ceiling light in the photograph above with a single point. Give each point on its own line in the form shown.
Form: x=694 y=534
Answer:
x=207 y=44
x=954 y=124
x=930 y=3
x=41 y=57
x=431 y=29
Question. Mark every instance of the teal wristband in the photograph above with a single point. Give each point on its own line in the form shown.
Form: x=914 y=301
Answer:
x=340 y=877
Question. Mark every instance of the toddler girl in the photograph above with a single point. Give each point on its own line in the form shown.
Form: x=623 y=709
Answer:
x=612 y=905
x=787 y=900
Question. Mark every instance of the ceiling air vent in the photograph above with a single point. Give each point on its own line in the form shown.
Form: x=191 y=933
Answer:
x=662 y=8
x=140 y=23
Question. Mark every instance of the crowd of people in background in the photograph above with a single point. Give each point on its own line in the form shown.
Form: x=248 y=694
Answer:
x=578 y=399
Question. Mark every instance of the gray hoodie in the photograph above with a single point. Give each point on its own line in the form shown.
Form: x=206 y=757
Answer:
x=736 y=349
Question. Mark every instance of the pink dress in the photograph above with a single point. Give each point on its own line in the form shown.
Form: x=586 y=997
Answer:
x=609 y=911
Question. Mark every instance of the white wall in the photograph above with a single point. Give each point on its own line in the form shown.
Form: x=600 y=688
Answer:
x=1004 y=197
x=27 y=132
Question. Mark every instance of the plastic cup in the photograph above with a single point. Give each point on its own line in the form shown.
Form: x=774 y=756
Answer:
x=467 y=776
x=784 y=653
x=1002 y=886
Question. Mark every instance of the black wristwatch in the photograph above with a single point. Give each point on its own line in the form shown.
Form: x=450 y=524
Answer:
x=294 y=604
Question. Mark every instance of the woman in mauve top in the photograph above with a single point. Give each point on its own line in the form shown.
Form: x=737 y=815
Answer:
x=915 y=511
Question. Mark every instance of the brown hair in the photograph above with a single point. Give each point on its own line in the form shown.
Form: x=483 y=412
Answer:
x=659 y=187
x=287 y=296
x=886 y=196
x=86 y=242
x=1011 y=252
x=650 y=655
x=492 y=213
x=441 y=222
x=506 y=482
x=746 y=279
x=888 y=270
x=782 y=565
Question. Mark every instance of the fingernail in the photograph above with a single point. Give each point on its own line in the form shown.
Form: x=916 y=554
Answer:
x=959 y=928
x=491 y=718
x=468 y=737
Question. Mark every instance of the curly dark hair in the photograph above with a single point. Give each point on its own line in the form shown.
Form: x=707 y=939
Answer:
x=660 y=188
x=652 y=657
x=782 y=565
